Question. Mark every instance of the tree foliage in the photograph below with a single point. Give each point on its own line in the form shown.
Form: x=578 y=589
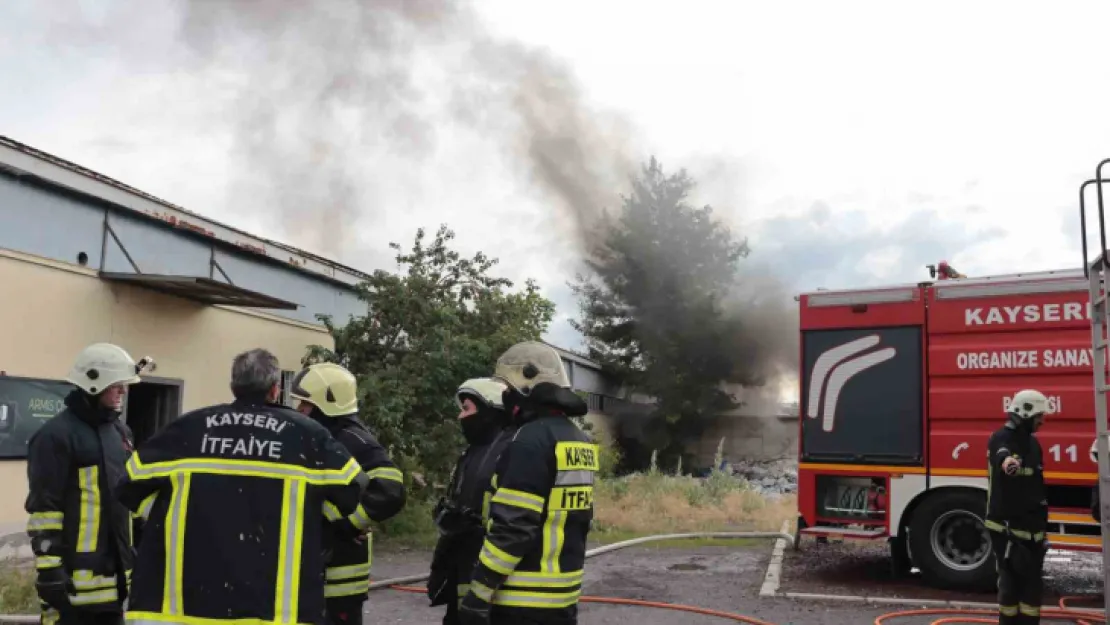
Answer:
x=656 y=309
x=438 y=321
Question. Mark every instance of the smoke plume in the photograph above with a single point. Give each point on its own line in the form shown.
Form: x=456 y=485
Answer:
x=309 y=89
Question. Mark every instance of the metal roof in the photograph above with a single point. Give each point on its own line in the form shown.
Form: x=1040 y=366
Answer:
x=24 y=160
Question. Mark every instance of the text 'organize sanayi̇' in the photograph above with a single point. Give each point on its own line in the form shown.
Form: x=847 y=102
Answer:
x=256 y=446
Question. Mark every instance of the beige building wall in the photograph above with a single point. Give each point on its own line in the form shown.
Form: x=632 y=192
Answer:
x=51 y=310
x=747 y=438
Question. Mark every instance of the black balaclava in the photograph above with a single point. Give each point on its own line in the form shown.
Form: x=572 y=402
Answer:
x=1016 y=423
x=89 y=408
x=544 y=398
x=480 y=427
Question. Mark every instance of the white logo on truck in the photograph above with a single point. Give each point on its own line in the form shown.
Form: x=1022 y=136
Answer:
x=837 y=366
x=1027 y=313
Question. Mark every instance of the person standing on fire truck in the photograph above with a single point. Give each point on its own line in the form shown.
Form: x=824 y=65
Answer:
x=1017 y=508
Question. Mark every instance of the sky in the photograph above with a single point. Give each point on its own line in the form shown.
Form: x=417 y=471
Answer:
x=853 y=143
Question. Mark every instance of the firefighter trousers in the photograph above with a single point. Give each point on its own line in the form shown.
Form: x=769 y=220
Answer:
x=533 y=617
x=1020 y=564
x=70 y=616
x=345 y=611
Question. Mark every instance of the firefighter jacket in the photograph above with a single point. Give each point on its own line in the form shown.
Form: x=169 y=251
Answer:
x=233 y=497
x=80 y=535
x=539 y=512
x=1017 y=502
x=461 y=516
x=348 y=557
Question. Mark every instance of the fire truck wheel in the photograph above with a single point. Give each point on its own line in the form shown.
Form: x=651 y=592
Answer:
x=949 y=543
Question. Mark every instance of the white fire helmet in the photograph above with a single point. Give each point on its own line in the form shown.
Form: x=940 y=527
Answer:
x=101 y=365
x=1029 y=404
x=486 y=390
x=527 y=364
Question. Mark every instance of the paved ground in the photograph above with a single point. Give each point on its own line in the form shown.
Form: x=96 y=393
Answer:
x=864 y=569
x=722 y=578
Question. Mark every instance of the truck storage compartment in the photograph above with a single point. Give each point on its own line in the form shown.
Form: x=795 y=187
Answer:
x=862 y=396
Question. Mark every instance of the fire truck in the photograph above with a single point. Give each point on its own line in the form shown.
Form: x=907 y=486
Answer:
x=901 y=387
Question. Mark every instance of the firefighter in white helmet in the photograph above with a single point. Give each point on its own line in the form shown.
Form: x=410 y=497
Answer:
x=459 y=514
x=83 y=554
x=544 y=479
x=328 y=393
x=1017 y=508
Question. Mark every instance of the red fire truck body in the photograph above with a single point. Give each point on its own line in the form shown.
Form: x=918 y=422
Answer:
x=902 y=386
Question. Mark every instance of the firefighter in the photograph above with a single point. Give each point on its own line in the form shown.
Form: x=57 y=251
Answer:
x=328 y=394
x=541 y=500
x=80 y=536
x=233 y=496
x=459 y=514
x=1017 y=509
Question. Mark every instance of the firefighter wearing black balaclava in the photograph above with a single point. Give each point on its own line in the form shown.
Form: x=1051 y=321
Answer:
x=1017 y=508
x=531 y=564
x=460 y=512
x=80 y=535
x=329 y=394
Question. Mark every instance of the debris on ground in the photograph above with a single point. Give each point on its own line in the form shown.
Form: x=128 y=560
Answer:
x=768 y=477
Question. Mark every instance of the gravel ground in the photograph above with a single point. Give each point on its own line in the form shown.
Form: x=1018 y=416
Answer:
x=721 y=578
x=859 y=568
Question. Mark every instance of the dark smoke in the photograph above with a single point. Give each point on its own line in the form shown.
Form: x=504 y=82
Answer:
x=311 y=66
x=312 y=88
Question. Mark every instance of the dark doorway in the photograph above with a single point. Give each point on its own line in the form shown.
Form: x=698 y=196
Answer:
x=151 y=405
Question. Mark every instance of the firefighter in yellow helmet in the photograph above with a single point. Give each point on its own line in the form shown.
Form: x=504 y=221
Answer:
x=80 y=535
x=328 y=393
x=541 y=500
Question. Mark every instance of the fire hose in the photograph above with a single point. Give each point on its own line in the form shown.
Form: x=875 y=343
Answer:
x=948 y=615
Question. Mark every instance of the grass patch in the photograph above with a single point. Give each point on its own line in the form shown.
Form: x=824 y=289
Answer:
x=412 y=527
x=17 y=590
x=655 y=503
x=638 y=505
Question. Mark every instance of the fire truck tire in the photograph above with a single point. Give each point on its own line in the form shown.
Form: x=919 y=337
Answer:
x=948 y=542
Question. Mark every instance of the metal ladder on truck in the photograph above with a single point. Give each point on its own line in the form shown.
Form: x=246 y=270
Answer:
x=1098 y=274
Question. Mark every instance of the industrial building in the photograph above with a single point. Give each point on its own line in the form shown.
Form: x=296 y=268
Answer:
x=84 y=258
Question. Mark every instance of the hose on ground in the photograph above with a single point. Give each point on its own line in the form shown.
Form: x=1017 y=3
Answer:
x=740 y=618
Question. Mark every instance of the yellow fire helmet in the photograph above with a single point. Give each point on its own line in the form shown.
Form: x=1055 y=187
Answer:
x=487 y=390
x=329 y=387
x=527 y=364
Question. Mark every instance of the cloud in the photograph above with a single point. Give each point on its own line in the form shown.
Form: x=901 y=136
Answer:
x=830 y=247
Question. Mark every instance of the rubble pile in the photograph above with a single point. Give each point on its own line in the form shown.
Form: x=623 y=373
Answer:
x=768 y=477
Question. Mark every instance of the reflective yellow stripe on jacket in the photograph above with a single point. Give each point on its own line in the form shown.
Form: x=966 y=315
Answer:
x=550 y=587
x=88 y=527
x=352 y=579
x=93 y=589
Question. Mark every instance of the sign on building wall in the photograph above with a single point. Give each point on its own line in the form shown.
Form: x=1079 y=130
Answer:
x=25 y=404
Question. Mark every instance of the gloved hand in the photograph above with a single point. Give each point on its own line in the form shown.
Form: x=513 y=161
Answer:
x=54 y=593
x=441 y=587
x=474 y=610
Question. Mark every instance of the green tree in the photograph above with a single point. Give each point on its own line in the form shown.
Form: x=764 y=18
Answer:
x=657 y=309
x=439 y=320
